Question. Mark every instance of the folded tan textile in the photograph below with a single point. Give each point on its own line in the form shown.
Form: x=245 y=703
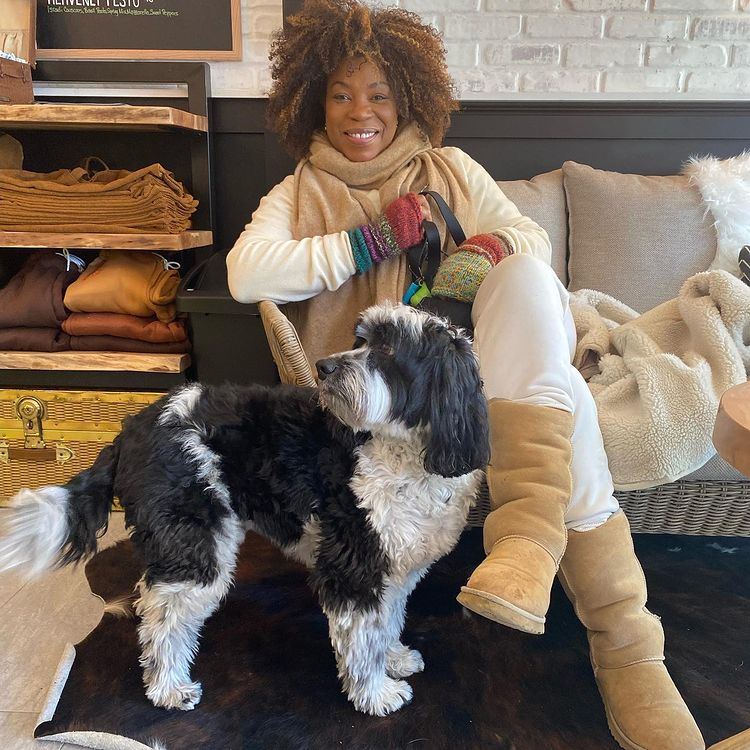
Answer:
x=118 y=344
x=61 y=204
x=33 y=297
x=134 y=283
x=79 y=181
x=125 y=326
x=163 y=227
x=11 y=152
x=34 y=340
x=657 y=378
x=66 y=200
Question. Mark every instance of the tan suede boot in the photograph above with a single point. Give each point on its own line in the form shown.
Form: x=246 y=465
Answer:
x=524 y=534
x=603 y=578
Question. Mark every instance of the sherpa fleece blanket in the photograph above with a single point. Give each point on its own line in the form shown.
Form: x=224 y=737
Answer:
x=657 y=378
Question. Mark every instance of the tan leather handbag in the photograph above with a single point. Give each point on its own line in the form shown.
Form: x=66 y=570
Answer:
x=16 y=86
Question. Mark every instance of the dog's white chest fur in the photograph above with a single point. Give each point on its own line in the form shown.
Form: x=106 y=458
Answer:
x=418 y=516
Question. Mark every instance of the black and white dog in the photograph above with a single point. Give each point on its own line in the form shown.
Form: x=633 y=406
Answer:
x=367 y=480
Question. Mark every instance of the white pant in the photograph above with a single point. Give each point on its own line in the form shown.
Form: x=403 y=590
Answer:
x=525 y=338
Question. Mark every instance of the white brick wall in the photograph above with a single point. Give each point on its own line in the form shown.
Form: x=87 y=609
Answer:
x=555 y=49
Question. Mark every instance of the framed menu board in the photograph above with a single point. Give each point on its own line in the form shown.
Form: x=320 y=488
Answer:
x=139 y=29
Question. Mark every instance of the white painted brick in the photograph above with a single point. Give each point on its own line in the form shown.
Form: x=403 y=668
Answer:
x=553 y=47
x=603 y=54
x=523 y=54
x=499 y=81
x=578 y=81
x=693 y=5
x=608 y=6
x=264 y=80
x=436 y=21
x=476 y=82
x=523 y=6
x=254 y=50
x=461 y=54
x=640 y=81
x=255 y=6
x=234 y=79
x=686 y=55
x=557 y=26
x=722 y=27
x=715 y=82
x=440 y=6
x=664 y=28
x=481 y=26
x=741 y=56
x=262 y=24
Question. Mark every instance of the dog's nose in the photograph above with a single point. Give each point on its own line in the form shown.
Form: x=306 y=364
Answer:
x=325 y=367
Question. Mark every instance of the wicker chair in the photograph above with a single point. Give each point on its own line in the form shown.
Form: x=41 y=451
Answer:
x=684 y=507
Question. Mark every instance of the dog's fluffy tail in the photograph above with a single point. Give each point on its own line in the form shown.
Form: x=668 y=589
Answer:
x=53 y=526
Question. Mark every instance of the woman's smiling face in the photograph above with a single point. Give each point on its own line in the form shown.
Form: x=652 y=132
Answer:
x=361 y=114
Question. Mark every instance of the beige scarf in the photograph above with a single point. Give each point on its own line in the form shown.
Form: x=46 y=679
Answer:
x=333 y=194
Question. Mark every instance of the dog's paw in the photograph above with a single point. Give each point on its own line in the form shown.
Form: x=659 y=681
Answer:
x=185 y=697
x=402 y=661
x=390 y=696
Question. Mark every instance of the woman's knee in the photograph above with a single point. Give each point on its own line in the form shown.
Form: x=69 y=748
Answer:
x=519 y=276
x=520 y=269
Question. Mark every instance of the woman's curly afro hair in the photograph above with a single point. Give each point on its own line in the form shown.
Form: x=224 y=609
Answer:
x=409 y=52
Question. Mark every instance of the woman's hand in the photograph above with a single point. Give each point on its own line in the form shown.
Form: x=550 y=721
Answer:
x=425 y=206
x=398 y=228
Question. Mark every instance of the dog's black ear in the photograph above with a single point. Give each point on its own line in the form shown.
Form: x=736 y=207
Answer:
x=459 y=426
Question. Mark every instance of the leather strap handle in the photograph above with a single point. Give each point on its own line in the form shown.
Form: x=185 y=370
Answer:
x=454 y=227
x=430 y=250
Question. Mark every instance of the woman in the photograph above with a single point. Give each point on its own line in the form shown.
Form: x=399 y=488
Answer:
x=362 y=98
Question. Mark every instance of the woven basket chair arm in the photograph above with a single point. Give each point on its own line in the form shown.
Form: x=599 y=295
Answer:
x=286 y=348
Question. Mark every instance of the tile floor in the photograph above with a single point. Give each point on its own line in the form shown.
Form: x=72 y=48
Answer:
x=37 y=620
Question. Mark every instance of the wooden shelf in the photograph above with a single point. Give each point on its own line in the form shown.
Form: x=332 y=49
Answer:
x=99 y=116
x=86 y=240
x=98 y=361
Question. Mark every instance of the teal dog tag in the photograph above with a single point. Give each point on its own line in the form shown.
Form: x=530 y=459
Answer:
x=410 y=292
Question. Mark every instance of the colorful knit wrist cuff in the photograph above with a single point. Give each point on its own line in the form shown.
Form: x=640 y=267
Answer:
x=460 y=275
x=360 y=253
x=494 y=248
x=397 y=229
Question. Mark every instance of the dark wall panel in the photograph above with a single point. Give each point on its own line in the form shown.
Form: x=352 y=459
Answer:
x=240 y=182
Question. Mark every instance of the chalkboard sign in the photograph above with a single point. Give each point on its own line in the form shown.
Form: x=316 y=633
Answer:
x=139 y=29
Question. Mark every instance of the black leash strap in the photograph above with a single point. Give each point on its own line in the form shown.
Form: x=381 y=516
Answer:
x=429 y=251
x=449 y=217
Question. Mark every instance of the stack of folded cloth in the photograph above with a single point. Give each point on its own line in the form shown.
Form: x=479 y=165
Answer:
x=80 y=200
x=124 y=301
x=31 y=305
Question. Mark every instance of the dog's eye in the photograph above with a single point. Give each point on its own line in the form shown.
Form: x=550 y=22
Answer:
x=358 y=342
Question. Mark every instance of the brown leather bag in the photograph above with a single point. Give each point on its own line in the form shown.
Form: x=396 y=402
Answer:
x=16 y=86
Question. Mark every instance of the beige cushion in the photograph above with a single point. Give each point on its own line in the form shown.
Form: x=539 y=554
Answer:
x=635 y=238
x=542 y=199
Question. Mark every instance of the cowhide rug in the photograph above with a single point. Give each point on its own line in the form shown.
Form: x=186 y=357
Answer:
x=269 y=678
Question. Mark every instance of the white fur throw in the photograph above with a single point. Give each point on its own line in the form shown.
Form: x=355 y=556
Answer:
x=657 y=378
x=725 y=188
